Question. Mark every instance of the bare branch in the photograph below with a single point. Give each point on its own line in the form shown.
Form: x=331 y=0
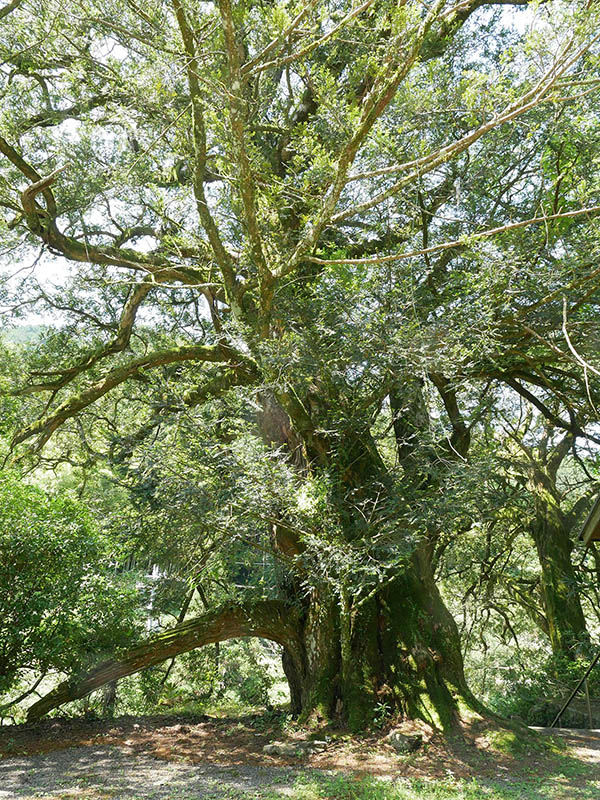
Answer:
x=457 y=243
x=42 y=223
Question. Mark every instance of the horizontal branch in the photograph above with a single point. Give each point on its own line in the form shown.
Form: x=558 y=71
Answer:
x=45 y=427
x=462 y=242
x=269 y=619
x=116 y=345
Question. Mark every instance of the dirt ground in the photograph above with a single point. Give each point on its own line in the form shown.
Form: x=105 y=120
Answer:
x=239 y=741
x=148 y=756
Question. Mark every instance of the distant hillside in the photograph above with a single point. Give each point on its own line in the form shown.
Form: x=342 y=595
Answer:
x=24 y=334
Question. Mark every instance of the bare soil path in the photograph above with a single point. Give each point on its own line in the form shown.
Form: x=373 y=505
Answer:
x=112 y=772
x=193 y=758
x=583 y=742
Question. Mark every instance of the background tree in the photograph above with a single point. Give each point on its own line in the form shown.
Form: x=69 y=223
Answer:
x=62 y=603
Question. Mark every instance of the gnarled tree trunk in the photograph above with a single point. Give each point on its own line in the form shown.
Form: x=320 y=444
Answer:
x=348 y=647
x=403 y=651
x=567 y=627
x=551 y=532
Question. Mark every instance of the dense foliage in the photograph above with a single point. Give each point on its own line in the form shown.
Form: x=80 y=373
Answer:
x=62 y=603
x=327 y=336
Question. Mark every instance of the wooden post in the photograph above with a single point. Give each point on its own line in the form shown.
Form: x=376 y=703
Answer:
x=587 y=702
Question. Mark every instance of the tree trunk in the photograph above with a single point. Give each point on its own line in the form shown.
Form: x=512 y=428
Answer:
x=403 y=651
x=348 y=646
x=109 y=699
x=551 y=532
x=562 y=607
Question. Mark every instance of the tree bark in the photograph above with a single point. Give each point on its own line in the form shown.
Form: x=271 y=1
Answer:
x=567 y=627
x=403 y=651
x=551 y=532
x=269 y=619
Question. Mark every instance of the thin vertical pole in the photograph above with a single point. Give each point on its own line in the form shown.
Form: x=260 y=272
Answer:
x=587 y=701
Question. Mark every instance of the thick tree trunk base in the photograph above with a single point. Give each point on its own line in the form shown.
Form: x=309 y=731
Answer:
x=400 y=654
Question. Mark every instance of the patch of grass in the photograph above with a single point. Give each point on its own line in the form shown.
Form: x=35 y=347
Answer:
x=344 y=788
x=314 y=786
x=518 y=743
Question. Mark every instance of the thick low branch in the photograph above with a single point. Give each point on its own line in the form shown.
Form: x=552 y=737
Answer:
x=269 y=619
x=45 y=427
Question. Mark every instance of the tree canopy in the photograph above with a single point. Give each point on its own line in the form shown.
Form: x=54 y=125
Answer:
x=319 y=252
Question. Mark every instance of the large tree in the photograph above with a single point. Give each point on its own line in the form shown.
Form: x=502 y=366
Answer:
x=359 y=220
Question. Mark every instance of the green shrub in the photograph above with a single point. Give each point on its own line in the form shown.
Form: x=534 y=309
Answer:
x=62 y=602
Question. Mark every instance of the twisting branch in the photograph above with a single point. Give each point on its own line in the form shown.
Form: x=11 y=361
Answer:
x=45 y=427
x=42 y=223
x=28 y=195
x=238 y=119
x=458 y=243
x=222 y=256
x=117 y=345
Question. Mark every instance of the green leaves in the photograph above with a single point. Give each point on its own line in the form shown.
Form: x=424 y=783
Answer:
x=61 y=597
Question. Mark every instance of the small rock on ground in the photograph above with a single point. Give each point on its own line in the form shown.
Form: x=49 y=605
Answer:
x=297 y=749
x=403 y=743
